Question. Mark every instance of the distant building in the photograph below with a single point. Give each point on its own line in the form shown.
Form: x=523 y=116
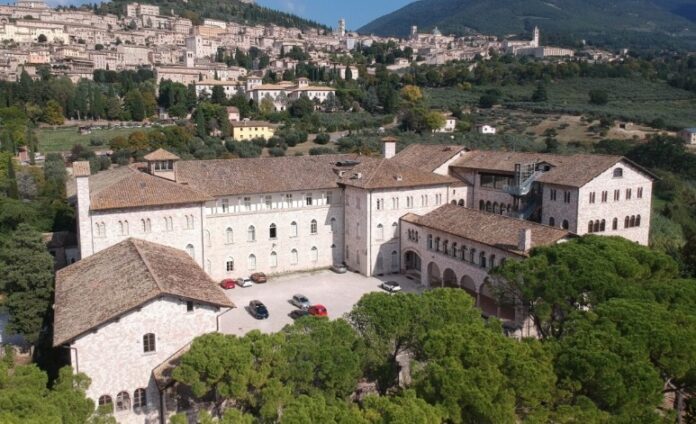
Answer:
x=485 y=129
x=233 y=114
x=449 y=126
x=688 y=135
x=249 y=130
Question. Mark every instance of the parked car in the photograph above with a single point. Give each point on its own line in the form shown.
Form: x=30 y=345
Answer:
x=259 y=277
x=391 y=286
x=258 y=310
x=298 y=313
x=318 y=311
x=300 y=301
x=243 y=282
x=227 y=283
x=339 y=268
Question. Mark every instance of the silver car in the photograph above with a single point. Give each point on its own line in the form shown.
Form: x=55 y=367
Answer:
x=391 y=286
x=300 y=301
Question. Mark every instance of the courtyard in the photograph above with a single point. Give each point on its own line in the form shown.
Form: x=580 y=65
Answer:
x=337 y=292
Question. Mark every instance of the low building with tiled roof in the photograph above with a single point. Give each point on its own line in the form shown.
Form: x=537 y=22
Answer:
x=125 y=310
x=430 y=157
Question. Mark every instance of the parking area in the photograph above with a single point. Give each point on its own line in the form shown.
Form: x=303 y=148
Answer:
x=338 y=292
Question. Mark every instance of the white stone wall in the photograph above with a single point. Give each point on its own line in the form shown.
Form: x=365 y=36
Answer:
x=239 y=218
x=559 y=209
x=632 y=180
x=178 y=237
x=112 y=355
x=84 y=225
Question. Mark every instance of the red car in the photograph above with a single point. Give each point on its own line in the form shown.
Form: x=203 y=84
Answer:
x=318 y=311
x=227 y=284
x=259 y=277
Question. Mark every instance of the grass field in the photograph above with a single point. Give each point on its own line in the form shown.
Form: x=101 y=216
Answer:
x=62 y=139
x=629 y=99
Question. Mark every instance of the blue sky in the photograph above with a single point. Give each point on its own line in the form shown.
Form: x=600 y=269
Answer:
x=356 y=12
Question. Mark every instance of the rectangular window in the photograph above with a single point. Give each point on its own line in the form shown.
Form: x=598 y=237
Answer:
x=628 y=194
x=566 y=197
x=592 y=197
x=247 y=203
x=288 y=200
x=639 y=192
x=604 y=196
x=269 y=202
x=409 y=201
x=308 y=199
x=617 y=195
x=552 y=194
x=189 y=306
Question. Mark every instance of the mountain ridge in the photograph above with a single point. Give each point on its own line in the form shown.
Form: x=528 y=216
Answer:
x=568 y=20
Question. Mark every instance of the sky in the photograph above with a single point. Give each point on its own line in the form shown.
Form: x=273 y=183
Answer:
x=356 y=12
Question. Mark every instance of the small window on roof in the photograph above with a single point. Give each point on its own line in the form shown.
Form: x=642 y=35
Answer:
x=618 y=172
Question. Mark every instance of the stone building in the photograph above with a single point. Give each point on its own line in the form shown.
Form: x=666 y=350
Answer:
x=122 y=312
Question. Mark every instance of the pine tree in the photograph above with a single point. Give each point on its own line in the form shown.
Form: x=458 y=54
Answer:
x=200 y=124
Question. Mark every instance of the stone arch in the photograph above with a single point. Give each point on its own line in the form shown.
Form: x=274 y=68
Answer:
x=468 y=285
x=461 y=202
x=412 y=261
x=449 y=278
x=434 y=275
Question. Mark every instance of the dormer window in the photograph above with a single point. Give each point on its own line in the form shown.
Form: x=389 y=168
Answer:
x=164 y=165
x=618 y=172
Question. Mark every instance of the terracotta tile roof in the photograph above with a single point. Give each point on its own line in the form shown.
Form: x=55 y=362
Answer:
x=374 y=173
x=81 y=169
x=98 y=181
x=567 y=170
x=428 y=157
x=225 y=177
x=247 y=124
x=161 y=154
x=486 y=228
x=138 y=189
x=116 y=280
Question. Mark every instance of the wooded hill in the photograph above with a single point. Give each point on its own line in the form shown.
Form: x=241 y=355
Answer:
x=620 y=23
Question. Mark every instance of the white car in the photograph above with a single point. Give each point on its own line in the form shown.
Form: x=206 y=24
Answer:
x=391 y=286
x=244 y=282
x=301 y=301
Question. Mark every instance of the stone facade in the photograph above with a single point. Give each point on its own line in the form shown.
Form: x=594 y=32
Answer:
x=113 y=354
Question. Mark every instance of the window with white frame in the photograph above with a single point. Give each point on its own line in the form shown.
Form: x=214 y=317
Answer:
x=272 y=231
x=123 y=228
x=251 y=233
x=308 y=199
x=293 y=229
x=229 y=264
x=268 y=200
x=273 y=260
x=293 y=257
x=395 y=203
x=313 y=227
x=139 y=398
x=288 y=200
x=380 y=232
x=252 y=262
x=247 y=203
x=123 y=401
x=149 y=343
x=409 y=201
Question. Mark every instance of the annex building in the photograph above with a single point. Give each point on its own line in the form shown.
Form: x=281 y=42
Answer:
x=159 y=235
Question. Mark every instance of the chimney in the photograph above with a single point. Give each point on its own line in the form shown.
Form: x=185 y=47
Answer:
x=524 y=244
x=81 y=172
x=389 y=147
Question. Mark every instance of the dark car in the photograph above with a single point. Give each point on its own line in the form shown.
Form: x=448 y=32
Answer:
x=318 y=311
x=227 y=283
x=299 y=313
x=259 y=277
x=258 y=310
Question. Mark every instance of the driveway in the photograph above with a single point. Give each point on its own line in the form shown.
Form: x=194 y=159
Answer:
x=338 y=292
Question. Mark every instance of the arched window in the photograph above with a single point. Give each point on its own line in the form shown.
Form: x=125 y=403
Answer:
x=602 y=225
x=191 y=252
x=637 y=220
x=627 y=222
x=596 y=226
x=149 y=343
x=313 y=226
x=488 y=206
x=462 y=253
x=274 y=260
x=472 y=256
x=552 y=222
x=437 y=244
x=481 y=205
x=590 y=226
x=461 y=202
x=272 y=231
x=139 y=398
x=445 y=247
x=565 y=225
x=632 y=222
x=252 y=262
x=430 y=242
x=615 y=224
x=293 y=229
x=229 y=264
x=395 y=230
x=293 y=257
x=333 y=224
x=482 y=259
x=229 y=235
x=380 y=232
x=454 y=249
x=251 y=233
x=618 y=172
x=123 y=401
x=394 y=260
x=106 y=403
x=314 y=254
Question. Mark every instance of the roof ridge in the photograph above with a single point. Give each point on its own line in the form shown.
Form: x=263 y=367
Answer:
x=374 y=172
x=132 y=241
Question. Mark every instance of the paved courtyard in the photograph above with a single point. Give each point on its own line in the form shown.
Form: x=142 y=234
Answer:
x=338 y=292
